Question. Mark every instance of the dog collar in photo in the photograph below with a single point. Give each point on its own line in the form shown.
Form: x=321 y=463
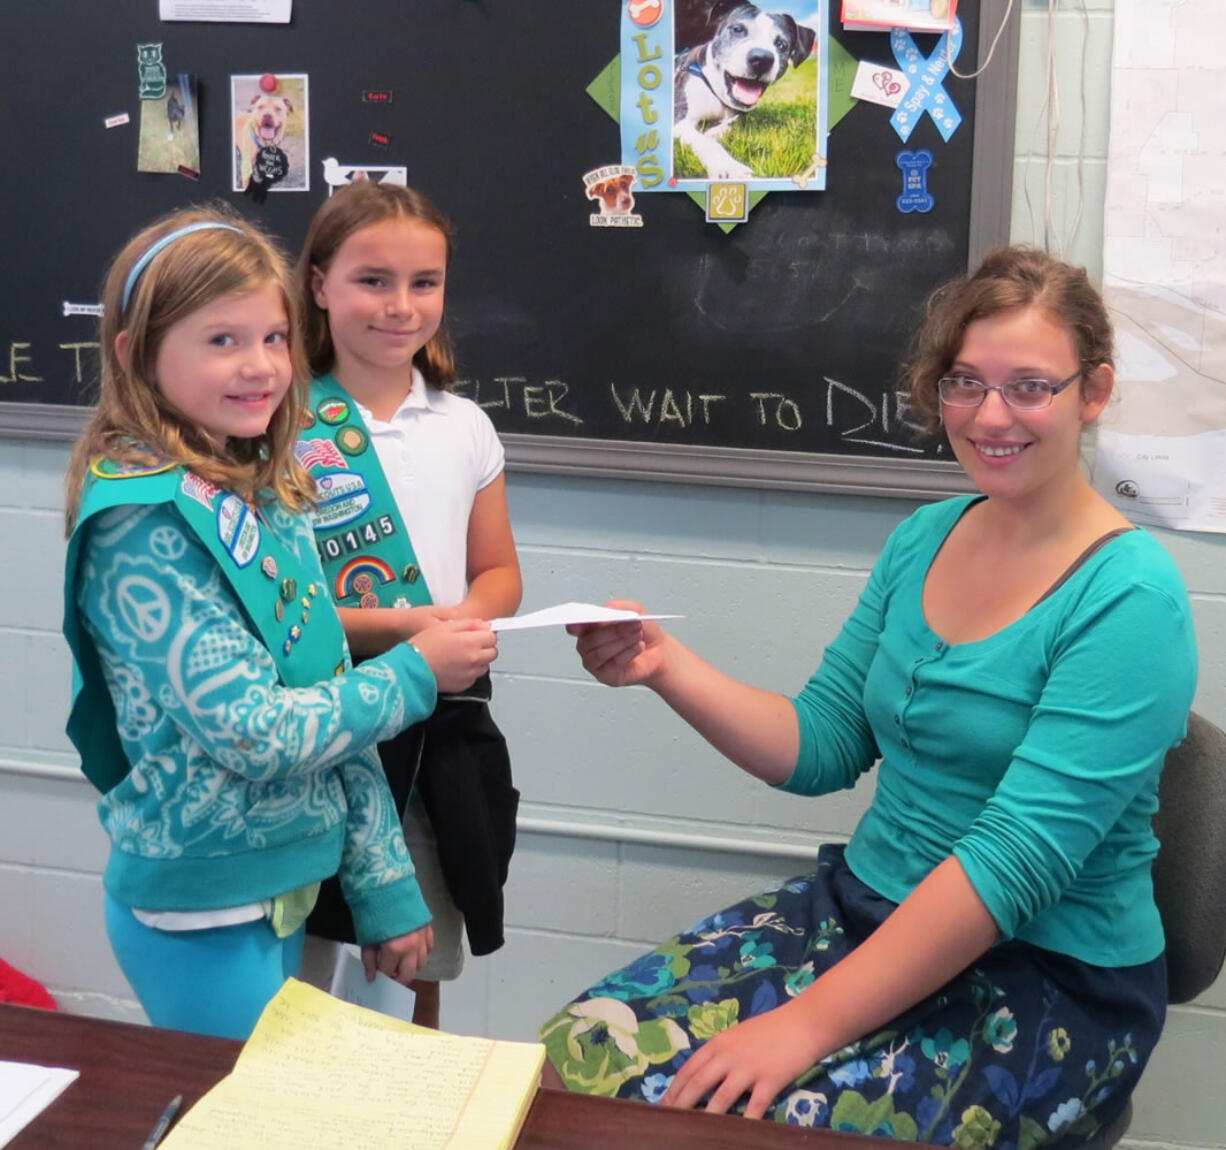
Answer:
x=695 y=69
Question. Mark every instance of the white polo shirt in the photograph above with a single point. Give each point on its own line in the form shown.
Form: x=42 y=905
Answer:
x=437 y=451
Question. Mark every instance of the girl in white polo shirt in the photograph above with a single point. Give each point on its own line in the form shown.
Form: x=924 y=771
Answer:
x=412 y=527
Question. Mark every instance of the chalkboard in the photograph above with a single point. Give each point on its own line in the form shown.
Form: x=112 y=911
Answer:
x=670 y=349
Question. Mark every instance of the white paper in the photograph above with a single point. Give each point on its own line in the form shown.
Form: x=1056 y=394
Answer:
x=1165 y=480
x=385 y=995
x=227 y=11
x=26 y=1091
x=879 y=84
x=1159 y=456
x=564 y=613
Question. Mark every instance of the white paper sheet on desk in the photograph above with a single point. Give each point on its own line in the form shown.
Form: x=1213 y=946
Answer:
x=564 y=613
x=26 y=1091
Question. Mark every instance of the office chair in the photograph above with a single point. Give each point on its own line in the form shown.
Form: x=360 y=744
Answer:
x=1189 y=873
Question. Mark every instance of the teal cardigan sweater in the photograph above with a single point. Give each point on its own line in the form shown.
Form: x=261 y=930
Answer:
x=240 y=787
x=1031 y=756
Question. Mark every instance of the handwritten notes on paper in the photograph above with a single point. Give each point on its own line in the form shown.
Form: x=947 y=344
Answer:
x=319 y=1074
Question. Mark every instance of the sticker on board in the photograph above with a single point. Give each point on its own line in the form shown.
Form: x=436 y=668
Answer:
x=610 y=188
x=338 y=175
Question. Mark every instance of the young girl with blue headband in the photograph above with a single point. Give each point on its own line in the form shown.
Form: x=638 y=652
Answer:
x=216 y=707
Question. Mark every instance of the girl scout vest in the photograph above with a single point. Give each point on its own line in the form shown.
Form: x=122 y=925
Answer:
x=363 y=545
x=285 y=598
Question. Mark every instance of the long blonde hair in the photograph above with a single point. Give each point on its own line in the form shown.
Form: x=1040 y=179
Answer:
x=133 y=422
x=349 y=210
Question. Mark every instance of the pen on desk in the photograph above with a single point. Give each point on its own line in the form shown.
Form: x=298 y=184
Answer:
x=163 y=1123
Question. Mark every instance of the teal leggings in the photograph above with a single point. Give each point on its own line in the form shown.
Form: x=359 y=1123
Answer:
x=214 y=981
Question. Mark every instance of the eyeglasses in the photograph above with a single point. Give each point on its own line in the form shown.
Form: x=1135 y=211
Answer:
x=1025 y=394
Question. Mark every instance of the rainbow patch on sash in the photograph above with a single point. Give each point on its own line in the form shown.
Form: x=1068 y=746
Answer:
x=359 y=576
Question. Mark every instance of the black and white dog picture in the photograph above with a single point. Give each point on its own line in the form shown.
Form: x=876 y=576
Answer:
x=745 y=90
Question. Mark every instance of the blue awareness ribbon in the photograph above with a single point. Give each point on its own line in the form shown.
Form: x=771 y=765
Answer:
x=926 y=73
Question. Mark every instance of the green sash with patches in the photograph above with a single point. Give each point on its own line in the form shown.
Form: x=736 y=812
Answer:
x=285 y=598
x=363 y=544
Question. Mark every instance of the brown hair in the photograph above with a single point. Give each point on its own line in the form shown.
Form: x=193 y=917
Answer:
x=1009 y=279
x=133 y=422
x=349 y=210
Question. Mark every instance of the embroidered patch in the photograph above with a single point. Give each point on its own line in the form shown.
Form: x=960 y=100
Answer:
x=342 y=499
x=319 y=453
x=358 y=576
x=112 y=469
x=238 y=530
x=356 y=538
x=201 y=490
x=333 y=411
x=352 y=440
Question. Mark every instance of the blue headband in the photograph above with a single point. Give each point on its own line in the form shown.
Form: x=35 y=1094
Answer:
x=169 y=238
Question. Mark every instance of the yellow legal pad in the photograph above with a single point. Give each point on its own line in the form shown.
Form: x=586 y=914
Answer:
x=319 y=1073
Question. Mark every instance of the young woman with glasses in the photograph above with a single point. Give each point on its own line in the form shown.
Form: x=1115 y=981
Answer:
x=982 y=965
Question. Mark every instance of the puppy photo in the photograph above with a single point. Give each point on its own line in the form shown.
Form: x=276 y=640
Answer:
x=609 y=188
x=271 y=119
x=613 y=195
x=729 y=55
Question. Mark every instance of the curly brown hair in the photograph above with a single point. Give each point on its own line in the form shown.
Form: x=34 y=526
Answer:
x=347 y=211
x=1009 y=279
x=133 y=422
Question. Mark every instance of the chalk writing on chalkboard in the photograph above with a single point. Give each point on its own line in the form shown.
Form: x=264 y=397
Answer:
x=878 y=420
x=18 y=364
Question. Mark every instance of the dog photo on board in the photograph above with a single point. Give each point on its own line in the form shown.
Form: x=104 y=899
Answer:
x=169 y=131
x=271 y=112
x=745 y=89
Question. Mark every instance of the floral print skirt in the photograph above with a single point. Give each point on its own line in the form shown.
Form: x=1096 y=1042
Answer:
x=1026 y=1048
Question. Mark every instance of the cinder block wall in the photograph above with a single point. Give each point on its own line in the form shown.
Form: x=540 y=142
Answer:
x=630 y=827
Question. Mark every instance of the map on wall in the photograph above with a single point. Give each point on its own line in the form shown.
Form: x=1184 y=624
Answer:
x=1161 y=455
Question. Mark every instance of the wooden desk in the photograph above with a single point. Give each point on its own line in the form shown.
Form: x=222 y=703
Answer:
x=129 y=1073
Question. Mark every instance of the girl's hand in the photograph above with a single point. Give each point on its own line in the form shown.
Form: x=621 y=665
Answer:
x=401 y=957
x=758 y=1057
x=414 y=620
x=621 y=654
x=458 y=651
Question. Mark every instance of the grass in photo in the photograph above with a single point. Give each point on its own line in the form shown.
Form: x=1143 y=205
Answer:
x=169 y=137
x=777 y=140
